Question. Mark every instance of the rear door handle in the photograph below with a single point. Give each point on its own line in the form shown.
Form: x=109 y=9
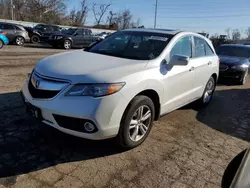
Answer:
x=191 y=69
x=209 y=63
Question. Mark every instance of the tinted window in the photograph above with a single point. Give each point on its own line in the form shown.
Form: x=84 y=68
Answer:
x=55 y=28
x=8 y=26
x=234 y=51
x=182 y=47
x=209 y=51
x=133 y=45
x=79 y=32
x=199 y=47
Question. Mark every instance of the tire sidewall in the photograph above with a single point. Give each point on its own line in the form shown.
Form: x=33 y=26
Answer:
x=243 y=79
x=124 y=128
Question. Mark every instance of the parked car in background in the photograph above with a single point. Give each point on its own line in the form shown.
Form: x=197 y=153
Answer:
x=3 y=39
x=42 y=32
x=73 y=37
x=15 y=33
x=234 y=62
x=103 y=35
x=119 y=86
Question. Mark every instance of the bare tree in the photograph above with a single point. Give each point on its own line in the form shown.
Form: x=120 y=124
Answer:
x=110 y=18
x=228 y=32
x=78 y=18
x=248 y=33
x=236 y=34
x=100 y=13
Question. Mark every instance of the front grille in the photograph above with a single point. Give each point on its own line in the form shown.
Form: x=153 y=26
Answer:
x=41 y=94
x=223 y=67
x=75 y=124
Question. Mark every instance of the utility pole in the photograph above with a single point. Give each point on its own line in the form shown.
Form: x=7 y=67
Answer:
x=12 y=11
x=156 y=7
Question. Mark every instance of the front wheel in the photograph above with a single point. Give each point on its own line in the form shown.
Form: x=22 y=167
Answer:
x=35 y=39
x=1 y=44
x=136 y=122
x=67 y=44
x=208 y=93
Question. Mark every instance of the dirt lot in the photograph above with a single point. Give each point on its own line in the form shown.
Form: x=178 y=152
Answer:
x=187 y=148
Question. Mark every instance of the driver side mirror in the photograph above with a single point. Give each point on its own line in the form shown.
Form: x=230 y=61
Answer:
x=181 y=60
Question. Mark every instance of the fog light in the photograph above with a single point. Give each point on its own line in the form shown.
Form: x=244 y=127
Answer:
x=89 y=127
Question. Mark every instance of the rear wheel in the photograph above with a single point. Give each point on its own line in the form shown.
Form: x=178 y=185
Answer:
x=244 y=78
x=67 y=44
x=35 y=39
x=1 y=44
x=208 y=93
x=136 y=122
x=19 y=41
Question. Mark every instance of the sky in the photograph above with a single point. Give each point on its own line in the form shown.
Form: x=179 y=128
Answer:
x=212 y=16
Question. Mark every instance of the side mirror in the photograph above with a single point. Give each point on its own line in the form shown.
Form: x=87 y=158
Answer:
x=179 y=60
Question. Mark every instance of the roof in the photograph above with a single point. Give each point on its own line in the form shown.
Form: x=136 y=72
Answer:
x=237 y=45
x=165 y=31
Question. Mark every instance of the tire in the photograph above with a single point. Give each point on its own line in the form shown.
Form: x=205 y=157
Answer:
x=19 y=41
x=244 y=78
x=35 y=39
x=132 y=135
x=208 y=93
x=67 y=44
x=1 y=44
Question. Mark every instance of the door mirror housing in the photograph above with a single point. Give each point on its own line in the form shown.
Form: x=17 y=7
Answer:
x=181 y=60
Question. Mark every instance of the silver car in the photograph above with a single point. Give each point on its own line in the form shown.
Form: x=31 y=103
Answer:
x=15 y=33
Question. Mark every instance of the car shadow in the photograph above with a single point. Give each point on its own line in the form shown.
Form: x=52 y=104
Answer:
x=27 y=145
x=228 y=112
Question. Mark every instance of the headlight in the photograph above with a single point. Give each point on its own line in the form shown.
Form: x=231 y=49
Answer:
x=94 y=90
x=243 y=66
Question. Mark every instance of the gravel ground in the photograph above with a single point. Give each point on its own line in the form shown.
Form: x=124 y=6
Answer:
x=186 y=148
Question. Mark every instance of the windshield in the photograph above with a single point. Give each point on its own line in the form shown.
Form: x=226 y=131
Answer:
x=133 y=45
x=234 y=51
x=70 y=31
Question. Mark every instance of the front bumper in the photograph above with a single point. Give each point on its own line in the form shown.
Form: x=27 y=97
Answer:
x=232 y=74
x=105 y=112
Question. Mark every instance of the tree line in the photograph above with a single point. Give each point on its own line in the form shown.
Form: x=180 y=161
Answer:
x=55 y=12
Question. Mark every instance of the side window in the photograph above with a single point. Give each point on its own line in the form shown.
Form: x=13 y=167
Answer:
x=209 y=51
x=8 y=26
x=199 y=48
x=18 y=28
x=79 y=32
x=182 y=47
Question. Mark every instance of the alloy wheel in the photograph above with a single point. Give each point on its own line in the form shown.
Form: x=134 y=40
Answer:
x=67 y=45
x=19 y=41
x=140 y=122
x=209 y=91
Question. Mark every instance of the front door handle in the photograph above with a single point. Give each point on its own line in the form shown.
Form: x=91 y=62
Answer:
x=191 y=69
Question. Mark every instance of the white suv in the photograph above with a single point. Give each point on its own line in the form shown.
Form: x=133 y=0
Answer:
x=120 y=85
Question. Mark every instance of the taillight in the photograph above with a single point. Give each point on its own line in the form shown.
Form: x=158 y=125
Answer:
x=218 y=60
x=3 y=33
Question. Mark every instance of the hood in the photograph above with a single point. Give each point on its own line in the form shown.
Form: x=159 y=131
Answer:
x=230 y=60
x=85 y=67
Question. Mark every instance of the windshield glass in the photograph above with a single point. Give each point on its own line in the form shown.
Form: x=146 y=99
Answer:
x=133 y=45
x=70 y=31
x=234 y=51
